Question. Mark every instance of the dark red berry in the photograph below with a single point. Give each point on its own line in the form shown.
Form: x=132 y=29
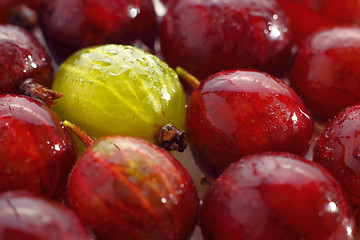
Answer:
x=326 y=70
x=25 y=216
x=338 y=150
x=208 y=36
x=69 y=25
x=128 y=188
x=272 y=196
x=238 y=112
x=309 y=16
x=37 y=153
x=22 y=57
x=321 y=11
x=347 y=11
x=305 y=17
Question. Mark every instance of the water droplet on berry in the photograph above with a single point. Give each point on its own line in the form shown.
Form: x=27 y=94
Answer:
x=133 y=12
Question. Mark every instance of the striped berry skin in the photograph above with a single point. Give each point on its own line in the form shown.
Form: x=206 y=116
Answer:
x=118 y=89
x=128 y=188
x=37 y=152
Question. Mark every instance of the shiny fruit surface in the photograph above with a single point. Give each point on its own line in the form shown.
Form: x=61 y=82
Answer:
x=69 y=25
x=22 y=56
x=305 y=16
x=239 y=112
x=338 y=150
x=320 y=12
x=37 y=153
x=26 y=216
x=129 y=188
x=275 y=196
x=309 y=16
x=117 y=89
x=325 y=72
x=207 y=36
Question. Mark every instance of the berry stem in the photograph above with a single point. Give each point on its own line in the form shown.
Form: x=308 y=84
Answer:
x=140 y=44
x=188 y=77
x=24 y=17
x=85 y=139
x=319 y=126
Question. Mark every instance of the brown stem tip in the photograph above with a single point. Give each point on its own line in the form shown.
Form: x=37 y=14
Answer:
x=206 y=180
x=24 y=17
x=140 y=44
x=171 y=139
x=33 y=89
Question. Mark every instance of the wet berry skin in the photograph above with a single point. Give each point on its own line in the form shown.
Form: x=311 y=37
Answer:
x=338 y=150
x=22 y=56
x=128 y=188
x=239 y=112
x=325 y=70
x=272 y=196
x=28 y=216
x=207 y=36
x=69 y=25
x=37 y=153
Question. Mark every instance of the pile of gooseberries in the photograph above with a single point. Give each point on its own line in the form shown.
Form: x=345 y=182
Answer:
x=179 y=119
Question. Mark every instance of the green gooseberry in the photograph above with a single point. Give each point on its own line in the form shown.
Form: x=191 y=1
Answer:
x=119 y=89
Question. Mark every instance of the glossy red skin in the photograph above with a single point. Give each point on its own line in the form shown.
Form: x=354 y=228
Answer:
x=69 y=25
x=128 y=188
x=31 y=217
x=7 y=6
x=275 y=196
x=238 y=112
x=207 y=36
x=338 y=150
x=306 y=17
x=22 y=56
x=325 y=70
x=309 y=16
x=37 y=153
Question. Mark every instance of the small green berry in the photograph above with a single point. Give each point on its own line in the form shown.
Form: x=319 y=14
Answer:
x=116 y=89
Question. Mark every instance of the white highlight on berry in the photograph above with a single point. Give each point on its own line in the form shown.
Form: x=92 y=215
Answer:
x=133 y=12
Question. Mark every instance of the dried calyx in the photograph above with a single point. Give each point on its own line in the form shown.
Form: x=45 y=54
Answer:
x=171 y=139
x=33 y=89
